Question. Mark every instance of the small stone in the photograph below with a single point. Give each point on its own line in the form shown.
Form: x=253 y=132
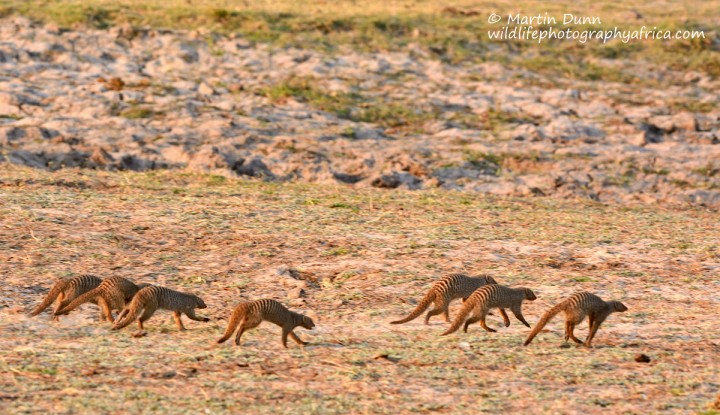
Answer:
x=642 y=358
x=205 y=89
x=296 y=293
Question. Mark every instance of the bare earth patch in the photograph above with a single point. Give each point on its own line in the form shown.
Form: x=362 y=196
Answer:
x=362 y=257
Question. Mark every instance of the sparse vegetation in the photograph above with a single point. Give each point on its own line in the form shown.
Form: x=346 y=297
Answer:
x=452 y=36
x=225 y=238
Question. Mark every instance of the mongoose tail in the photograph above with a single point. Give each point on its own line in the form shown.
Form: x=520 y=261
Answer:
x=424 y=304
x=129 y=314
x=82 y=299
x=544 y=320
x=55 y=291
x=460 y=317
x=235 y=320
x=443 y=292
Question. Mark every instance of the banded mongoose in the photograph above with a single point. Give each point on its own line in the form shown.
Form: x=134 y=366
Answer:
x=444 y=291
x=150 y=299
x=248 y=315
x=113 y=293
x=487 y=297
x=576 y=307
x=66 y=290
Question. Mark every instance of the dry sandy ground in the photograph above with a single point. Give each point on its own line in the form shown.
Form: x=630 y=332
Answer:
x=222 y=104
x=363 y=257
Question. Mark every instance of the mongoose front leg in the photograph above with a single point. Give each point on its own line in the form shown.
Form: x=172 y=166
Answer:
x=518 y=314
x=178 y=320
x=433 y=312
x=297 y=339
x=191 y=315
x=285 y=332
x=595 y=326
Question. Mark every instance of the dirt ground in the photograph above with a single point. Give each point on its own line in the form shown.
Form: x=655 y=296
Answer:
x=361 y=257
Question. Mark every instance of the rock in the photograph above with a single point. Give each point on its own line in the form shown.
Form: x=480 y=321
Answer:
x=295 y=293
x=642 y=358
x=365 y=133
x=27 y=158
x=254 y=168
x=684 y=121
x=563 y=128
x=205 y=89
x=395 y=180
x=663 y=123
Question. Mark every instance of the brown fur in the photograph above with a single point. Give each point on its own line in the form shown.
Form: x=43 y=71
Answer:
x=576 y=308
x=113 y=293
x=444 y=291
x=249 y=315
x=150 y=299
x=66 y=290
x=487 y=297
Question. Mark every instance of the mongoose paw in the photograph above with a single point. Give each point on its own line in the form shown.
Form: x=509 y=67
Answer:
x=492 y=330
x=526 y=325
x=507 y=324
x=206 y=319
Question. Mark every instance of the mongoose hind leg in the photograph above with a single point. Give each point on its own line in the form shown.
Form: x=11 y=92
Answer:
x=471 y=320
x=484 y=325
x=239 y=335
x=105 y=311
x=59 y=304
x=147 y=313
x=446 y=313
x=569 y=332
x=433 y=312
x=506 y=319
x=247 y=325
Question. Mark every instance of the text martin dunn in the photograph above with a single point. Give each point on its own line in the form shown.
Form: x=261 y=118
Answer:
x=545 y=19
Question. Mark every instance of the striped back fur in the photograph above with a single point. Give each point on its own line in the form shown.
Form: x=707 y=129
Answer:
x=491 y=296
x=576 y=308
x=250 y=314
x=152 y=298
x=444 y=291
x=114 y=292
x=65 y=290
